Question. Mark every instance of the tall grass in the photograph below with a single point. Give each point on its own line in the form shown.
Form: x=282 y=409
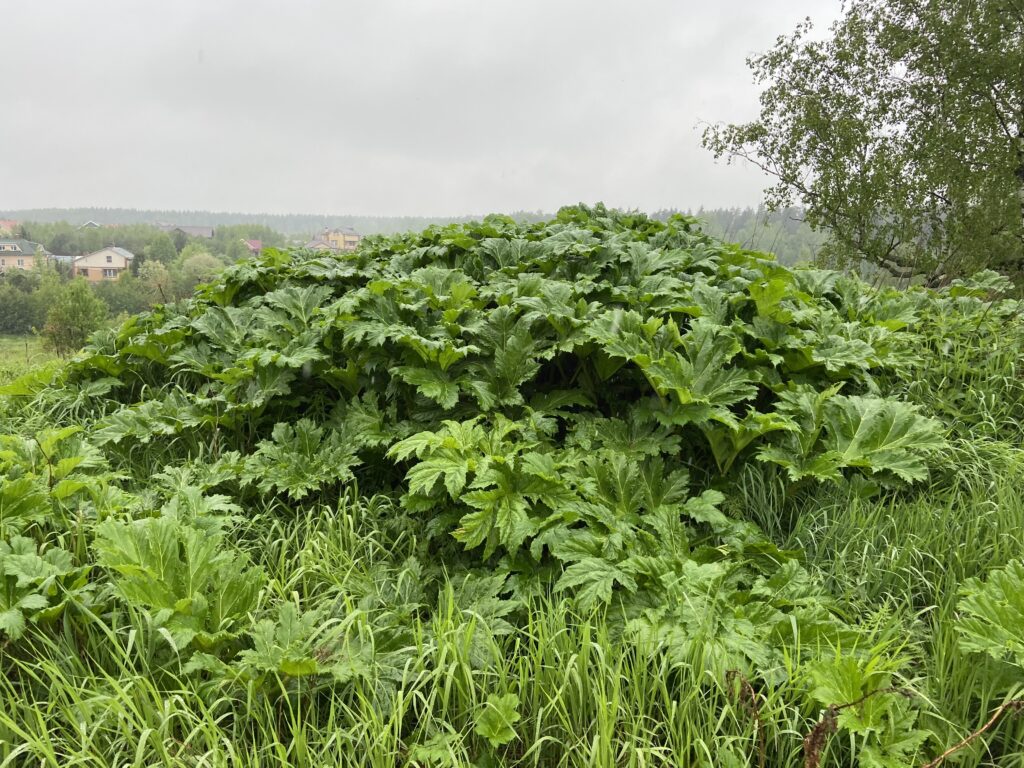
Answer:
x=912 y=552
x=20 y=354
x=102 y=690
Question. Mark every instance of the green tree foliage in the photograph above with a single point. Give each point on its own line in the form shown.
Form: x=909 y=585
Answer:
x=19 y=310
x=194 y=248
x=64 y=238
x=25 y=297
x=128 y=294
x=196 y=269
x=230 y=235
x=251 y=225
x=74 y=315
x=161 y=249
x=902 y=132
x=235 y=250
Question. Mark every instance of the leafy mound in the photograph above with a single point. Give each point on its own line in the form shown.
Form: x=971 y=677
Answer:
x=565 y=400
x=598 y=332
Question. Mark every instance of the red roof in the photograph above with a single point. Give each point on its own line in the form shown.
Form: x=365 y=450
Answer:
x=254 y=245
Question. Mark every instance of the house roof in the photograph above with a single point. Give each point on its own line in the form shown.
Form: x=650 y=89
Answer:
x=115 y=248
x=341 y=231
x=319 y=244
x=188 y=229
x=24 y=246
x=256 y=245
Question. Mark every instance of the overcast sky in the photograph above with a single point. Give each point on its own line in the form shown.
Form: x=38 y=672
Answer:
x=416 y=107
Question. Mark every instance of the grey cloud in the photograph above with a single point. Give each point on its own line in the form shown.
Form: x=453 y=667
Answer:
x=429 y=107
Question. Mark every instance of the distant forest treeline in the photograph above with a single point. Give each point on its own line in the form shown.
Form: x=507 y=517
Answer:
x=296 y=224
x=783 y=233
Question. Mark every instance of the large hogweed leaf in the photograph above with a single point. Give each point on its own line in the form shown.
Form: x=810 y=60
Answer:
x=23 y=501
x=497 y=718
x=45 y=475
x=294 y=645
x=491 y=469
x=36 y=583
x=300 y=458
x=728 y=441
x=874 y=435
x=703 y=373
x=172 y=414
x=992 y=615
x=592 y=580
x=880 y=435
x=197 y=591
x=881 y=718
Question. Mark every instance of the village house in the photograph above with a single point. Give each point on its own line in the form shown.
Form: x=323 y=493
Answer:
x=339 y=239
x=255 y=246
x=8 y=226
x=343 y=238
x=206 y=233
x=20 y=254
x=104 y=264
x=318 y=244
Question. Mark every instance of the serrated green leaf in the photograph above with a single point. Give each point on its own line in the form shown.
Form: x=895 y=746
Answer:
x=593 y=579
x=496 y=721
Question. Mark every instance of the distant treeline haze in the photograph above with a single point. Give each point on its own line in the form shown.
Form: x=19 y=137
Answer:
x=783 y=233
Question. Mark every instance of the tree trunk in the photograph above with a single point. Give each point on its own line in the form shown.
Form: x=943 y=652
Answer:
x=1019 y=173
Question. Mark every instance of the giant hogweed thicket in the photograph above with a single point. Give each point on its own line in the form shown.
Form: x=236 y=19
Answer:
x=563 y=403
x=566 y=399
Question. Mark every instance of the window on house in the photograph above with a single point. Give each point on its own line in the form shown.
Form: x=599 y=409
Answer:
x=83 y=271
x=21 y=262
x=110 y=259
x=3 y=262
x=109 y=273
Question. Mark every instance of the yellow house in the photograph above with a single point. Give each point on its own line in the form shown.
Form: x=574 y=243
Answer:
x=20 y=254
x=104 y=264
x=342 y=239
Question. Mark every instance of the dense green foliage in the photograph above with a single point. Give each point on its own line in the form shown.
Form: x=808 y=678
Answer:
x=25 y=298
x=514 y=494
x=75 y=313
x=902 y=131
x=159 y=273
x=65 y=235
